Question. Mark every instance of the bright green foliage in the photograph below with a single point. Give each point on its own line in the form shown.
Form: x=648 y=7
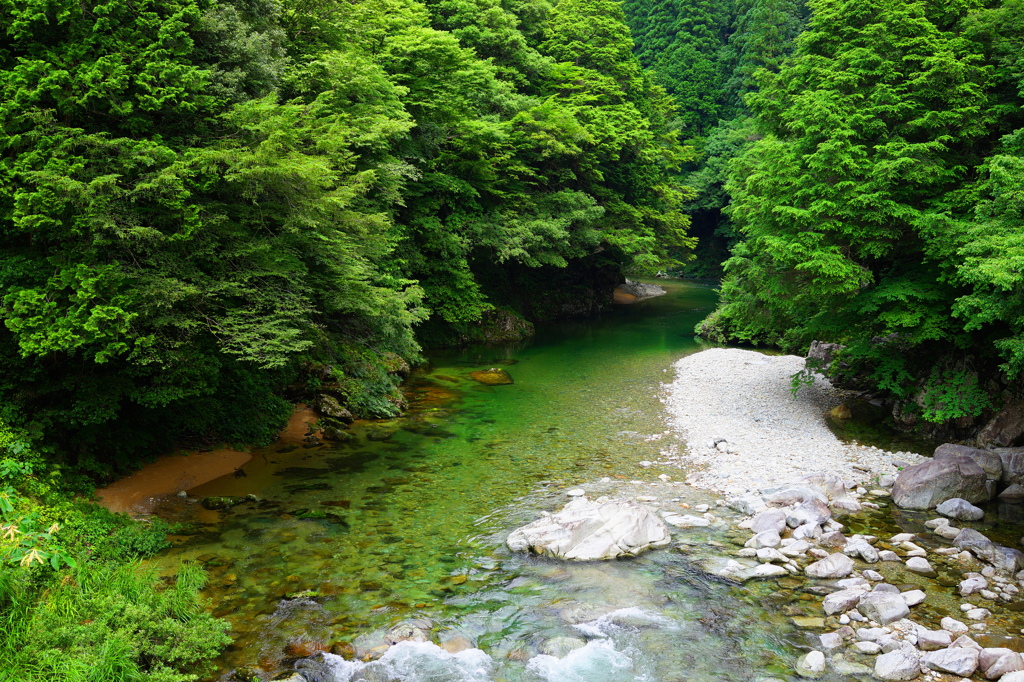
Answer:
x=682 y=43
x=200 y=196
x=762 y=36
x=106 y=623
x=871 y=131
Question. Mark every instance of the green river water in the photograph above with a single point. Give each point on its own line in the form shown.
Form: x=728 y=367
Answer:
x=406 y=524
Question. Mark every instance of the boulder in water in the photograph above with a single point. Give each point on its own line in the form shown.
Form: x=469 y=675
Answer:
x=495 y=376
x=586 y=529
x=923 y=486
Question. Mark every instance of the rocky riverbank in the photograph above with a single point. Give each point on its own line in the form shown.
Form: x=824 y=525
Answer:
x=746 y=432
x=933 y=600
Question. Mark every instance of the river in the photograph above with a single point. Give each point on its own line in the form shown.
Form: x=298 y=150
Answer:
x=404 y=525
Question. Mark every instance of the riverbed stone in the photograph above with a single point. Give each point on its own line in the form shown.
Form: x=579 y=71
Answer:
x=495 y=376
x=953 y=626
x=899 y=664
x=971 y=585
x=833 y=566
x=1014 y=493
x=808 y=531
x=560 y=647
x=867 y=648
x=913 y=597
x=960 y=661
x=768 y=555
x=1013 y=677
x=862 y=550
x=883 y=607
x=811 y=665
x=1007 y=663
x=769 y=519
x=989 y=655
x=842 y=601
x=889 y=555
x=965 y=642
x=686 y=521
x=948 y=532
x=932 y=640
x=832 y=539
x=812 y=511
x=960 y=509
x=925 y=485
x=586 y=530
x=830 y=640
x=920 y=565
x=794 y=495
x=795 y=549
x=1001 y=558
x=768 y=538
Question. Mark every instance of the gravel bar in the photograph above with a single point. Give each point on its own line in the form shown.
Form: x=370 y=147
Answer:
x=744 y=398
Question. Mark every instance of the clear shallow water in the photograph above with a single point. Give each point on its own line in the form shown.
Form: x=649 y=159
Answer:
x=406 y=523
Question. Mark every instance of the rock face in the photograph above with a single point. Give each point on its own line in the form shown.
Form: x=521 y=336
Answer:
x=1013 y=465
x=1006 y=427
x=923 y=486
x=329 y=406
x=495 y=376
x=586 y=529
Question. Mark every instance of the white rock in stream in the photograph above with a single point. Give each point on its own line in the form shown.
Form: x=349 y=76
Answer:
x=586 y=530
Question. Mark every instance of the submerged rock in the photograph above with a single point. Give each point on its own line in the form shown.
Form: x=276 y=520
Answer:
x=495 y=376
x=586 y=530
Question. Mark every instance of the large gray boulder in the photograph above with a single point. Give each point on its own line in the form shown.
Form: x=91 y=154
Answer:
x=925 y=485
x=586 y=529
x=989 y=461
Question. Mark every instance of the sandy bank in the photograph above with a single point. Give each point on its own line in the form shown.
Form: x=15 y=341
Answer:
x=141 y=491
x=745 y=398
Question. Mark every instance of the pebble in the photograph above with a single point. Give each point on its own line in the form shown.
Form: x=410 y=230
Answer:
x=576 y=492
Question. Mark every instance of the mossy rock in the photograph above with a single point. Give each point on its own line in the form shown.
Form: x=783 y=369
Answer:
x=495 y=376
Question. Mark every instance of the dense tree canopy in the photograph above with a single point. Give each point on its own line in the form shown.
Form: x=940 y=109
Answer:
x=871 y=215
x=199 y=197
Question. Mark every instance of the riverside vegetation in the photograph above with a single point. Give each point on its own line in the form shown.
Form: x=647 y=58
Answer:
x=209 y=209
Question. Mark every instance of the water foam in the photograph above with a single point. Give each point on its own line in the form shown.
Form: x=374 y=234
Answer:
x=413 y=662
x=598 y=661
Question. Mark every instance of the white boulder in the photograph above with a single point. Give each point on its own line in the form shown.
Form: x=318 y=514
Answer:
x=586 y=530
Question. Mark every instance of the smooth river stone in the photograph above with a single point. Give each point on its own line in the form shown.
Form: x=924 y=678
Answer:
x=959 y=661
x=833 y=566
x=900 y=664
x=585 y=530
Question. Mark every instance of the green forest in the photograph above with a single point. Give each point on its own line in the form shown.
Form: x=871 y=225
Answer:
x=210 y=208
